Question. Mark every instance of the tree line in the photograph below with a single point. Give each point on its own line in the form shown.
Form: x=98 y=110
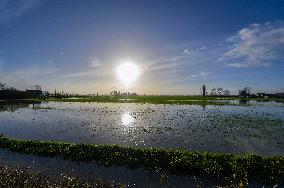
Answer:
x=215 y=91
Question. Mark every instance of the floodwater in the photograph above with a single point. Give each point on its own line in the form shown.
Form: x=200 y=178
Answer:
x=236 y=129
x=257 y=128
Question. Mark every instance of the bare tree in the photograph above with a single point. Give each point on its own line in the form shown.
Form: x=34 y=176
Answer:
x=37 y=87
x=245 y=92
x=227 y=92
x=213 y=91
x=220 y=91
x=203 y=90
x=12 y=89
x=2 y=86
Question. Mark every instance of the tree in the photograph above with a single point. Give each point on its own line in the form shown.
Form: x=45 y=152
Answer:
x=245 y=92
x=12 y=89
x=203 y=90
x=227 y=92
x=220 y=91
x=213 y=91
x=2 y=86
x=37 y=87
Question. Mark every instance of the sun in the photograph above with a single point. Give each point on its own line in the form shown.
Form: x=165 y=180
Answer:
x=127 y=73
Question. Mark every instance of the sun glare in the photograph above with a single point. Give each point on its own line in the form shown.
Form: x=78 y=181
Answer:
x=127 y=119
x=127 y=73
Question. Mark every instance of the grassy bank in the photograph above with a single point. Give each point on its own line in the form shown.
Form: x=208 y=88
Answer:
x=218 y=166
x=11 y=176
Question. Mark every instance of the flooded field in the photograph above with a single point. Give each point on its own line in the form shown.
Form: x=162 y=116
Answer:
x=256 y=128
x=237 y=129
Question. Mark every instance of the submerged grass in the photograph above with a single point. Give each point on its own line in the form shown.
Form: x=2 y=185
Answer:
x=222 y=167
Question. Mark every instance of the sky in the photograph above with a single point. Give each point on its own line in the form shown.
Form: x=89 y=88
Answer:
x=76 y=46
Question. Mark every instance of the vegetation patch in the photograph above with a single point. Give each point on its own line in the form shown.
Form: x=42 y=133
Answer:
x=163 y=99
x=246 y=121
x=222 y=167
x=42 y=108
x=11 y=176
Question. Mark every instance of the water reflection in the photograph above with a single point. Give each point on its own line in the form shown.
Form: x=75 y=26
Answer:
x=13 y=105
x=127 y=119
x=203 y=106
x=243 y=102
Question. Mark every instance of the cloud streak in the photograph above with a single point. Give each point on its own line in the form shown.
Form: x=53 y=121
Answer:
x=256 y=45
x=94 y=68
x=10 y=9
x=200 y=75
x=96 y=63
x=197 y=76
x=181 y=58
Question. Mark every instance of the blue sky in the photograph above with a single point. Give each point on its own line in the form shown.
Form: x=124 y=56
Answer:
x=75 y=46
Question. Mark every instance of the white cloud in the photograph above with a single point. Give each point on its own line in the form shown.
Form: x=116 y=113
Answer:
x=166 y=66
x=202 y=48
x=188 y=51
x=96 y=63
x=171 y=59
x=255 y=45
x=199 y=75
x=79 y=74
x=163 y=63
x=192 y=52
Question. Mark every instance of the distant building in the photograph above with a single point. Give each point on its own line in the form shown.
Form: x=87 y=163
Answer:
x=118 y=93
x=115 y=93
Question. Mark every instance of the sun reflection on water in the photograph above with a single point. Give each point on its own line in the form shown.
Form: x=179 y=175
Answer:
x=127 y=119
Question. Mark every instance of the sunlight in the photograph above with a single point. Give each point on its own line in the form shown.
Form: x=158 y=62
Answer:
x=127 y=119
x=127 y=73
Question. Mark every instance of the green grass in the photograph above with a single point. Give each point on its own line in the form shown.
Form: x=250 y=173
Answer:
x=222 y=167
x=159 y=99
